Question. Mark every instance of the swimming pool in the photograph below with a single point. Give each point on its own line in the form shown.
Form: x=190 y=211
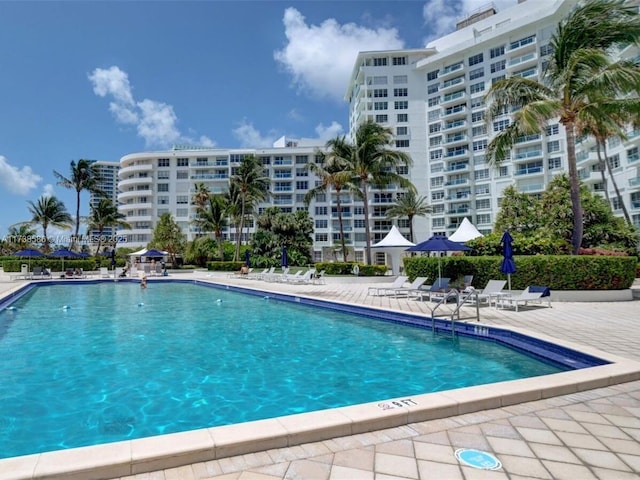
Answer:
x=117 y=362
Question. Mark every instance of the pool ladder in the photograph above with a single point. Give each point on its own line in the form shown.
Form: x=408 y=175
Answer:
x=461 y=299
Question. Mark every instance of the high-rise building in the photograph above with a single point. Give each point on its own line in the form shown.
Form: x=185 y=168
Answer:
x=433 y=100
x=108 y=185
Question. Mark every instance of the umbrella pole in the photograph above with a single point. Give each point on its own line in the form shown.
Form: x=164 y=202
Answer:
x=509 y=280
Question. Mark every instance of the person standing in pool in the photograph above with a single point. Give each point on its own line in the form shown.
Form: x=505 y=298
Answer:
x=143 y=282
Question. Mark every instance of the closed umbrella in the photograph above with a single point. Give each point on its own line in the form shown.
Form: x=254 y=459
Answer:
x=284 y=261
x=247 y=258
x=508 y=265
x=438 y=243
x=64 y=253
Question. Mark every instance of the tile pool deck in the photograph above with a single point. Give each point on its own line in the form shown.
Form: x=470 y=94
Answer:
x=576 y=435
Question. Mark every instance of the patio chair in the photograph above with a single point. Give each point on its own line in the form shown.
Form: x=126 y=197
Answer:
x=104 y=272
x=492 y=291
x=530 y=294
x=304 y=279
x=438 y=290
x=318 y=278
x=412 y=288
x=397 y=283
x=291 y=278
x=39 y=273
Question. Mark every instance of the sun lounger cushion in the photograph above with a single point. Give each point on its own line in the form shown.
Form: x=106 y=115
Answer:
x=546 y=291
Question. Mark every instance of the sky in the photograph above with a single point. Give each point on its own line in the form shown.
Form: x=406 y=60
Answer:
x=103 y=79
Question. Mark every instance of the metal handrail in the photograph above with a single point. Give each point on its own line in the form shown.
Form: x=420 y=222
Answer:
x=461 y=298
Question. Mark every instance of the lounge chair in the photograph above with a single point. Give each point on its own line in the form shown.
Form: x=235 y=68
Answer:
x=39 y=273
x=147 y=270
x=530 y=294
x=318 y=278
x=291 y=278
x=257 y=275
x=412 y=288
x=104 y=272
x=436 y=291
x=397 y=283
x=492 y=291
x=306 y=278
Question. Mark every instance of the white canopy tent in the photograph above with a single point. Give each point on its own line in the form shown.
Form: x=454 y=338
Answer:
x=466 y=231
x=394 y=244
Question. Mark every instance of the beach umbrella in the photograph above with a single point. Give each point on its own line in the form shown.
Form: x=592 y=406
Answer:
x=247 y=258
x=64 y=253
x=113 y=258
x=438 y=243
x=29 y=252
x=154 y=254
x=284 y=261
x=508 y=265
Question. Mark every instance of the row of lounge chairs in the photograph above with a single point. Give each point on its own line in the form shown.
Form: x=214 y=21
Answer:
x=309 y=276
x=492 y=294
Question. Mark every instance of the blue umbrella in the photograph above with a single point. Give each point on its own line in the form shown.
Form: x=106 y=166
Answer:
x=113 y=258
x=247 y=258
x=284 y=261
x=507 y=266
x=29 y=252
x=153 y=254
x=64 y=252
x=438 y=243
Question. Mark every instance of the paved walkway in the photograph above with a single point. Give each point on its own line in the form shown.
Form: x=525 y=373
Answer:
x=589 y=435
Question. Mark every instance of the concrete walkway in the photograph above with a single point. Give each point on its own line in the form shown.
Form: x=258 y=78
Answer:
x=589 y=435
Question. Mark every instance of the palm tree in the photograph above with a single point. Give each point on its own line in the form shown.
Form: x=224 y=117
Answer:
x=105 y=214
x=253 y=186
x=201 y=195
x=409 y=205
x=84 y=176
x=49 y=211
x=579 y=67
x=212 y=217
x=332 y=175
x=371 y=164
x=21 y=235
x=234 y=206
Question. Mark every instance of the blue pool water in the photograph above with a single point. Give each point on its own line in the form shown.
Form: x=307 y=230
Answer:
x=93 y=363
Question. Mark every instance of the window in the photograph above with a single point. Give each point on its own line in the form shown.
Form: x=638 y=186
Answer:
x=553 y=146
x=483 y=204
x=498 y=66
x=437 y=223
x=476 y=59
x=382 y=118
x=437 y=167
x=433 y=115
x=614 y=161
x=402 y=130
x=497 y=51
x=183 y=162
x=476 y=87
x=380 y=105
x=163 y=162
x=400 y=92
x=399 y=60
x=435 y=141
x=476 y=73
x=522 y=42
x=500 y=125
x=553 y=129
x=322 y=223
x=302 y=159
x=302 y=185
x=546 y=50
x=379 y=80
x=182 y=175
x=497 y=79
x=477 y=102
x=400 y=79
x=477 y=116
x=632 y=155
x=435 y=196
x=380 y=93
x=380 y=62
x=437 y=182
x=503 y=171
x=555 y=163
x=162 y=211
x=484 y=219
x=321 y=237
x=435 y=127
x=481 y=174
x=433 y=88
x=163 y=200
x=616 y=203
x=433 y=101
x=479 y=145
x=182 y=199
x=479 y=130
x=163 y=187
x=435 y=155
x=182 y=212
x=321 y=210
x=401 y=105
x=402 y=117
x=432 y=75
x=302 y=172
x=402 y=143
x=164 y=174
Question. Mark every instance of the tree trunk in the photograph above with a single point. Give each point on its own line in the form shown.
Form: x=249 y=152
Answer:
x=367 y=226
x=602 y=167
x=339 y=207
x=574 y=181
x=625 y=212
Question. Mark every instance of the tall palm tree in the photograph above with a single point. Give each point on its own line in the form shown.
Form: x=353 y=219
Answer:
x=579 y=67
x=84 y=176
x=332 y=175
x=409 y=205
x=371 y=164
x=49 y=211
x=212 y=217
x=234 y=206
x=21 y=235
x=105 y=214
x=253 y=186
x=201 y=195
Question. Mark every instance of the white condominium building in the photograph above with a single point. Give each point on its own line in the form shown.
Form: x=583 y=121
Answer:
x=433 y=100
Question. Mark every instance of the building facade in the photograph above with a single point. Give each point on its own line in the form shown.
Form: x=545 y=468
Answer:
x=108 y=184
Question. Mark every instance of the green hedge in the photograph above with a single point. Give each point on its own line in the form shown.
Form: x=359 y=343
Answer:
x=341 y=268
x=558 y=272
x=51 y=264
x=224 y=266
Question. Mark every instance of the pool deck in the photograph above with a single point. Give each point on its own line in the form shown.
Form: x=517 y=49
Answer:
x=587 y=428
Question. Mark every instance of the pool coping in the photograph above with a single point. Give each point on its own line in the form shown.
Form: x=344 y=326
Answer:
x=147 y=454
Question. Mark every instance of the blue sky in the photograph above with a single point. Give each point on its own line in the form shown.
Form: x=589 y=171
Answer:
x=99 y=80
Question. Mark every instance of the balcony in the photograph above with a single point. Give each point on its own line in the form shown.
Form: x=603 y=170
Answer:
x=463 y=152
x=523 y=60
x=455 y=110
x=452 y=97
x=634 y=182
x=452 y=83
x=210 y=176
x=135 y=181
x=528 y=154
x=528 y=171
x=455 y=125
x=457 y=181
x=457 y=166
x=454 y=138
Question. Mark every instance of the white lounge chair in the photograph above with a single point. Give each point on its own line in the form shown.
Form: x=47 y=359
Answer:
x=306 y=278
x=492 y=291
x=397 y=283
x=438 y=290
x=104 y=272
x=318 y=278
x=525 y=297
x=412 y=288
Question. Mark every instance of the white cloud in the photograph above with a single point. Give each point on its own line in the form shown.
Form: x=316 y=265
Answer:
x=327 y=133
x=250 y=137
x=320 y=57
x=155 y=122
x=48 y=190
x=441 y=16
x=17 y=180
